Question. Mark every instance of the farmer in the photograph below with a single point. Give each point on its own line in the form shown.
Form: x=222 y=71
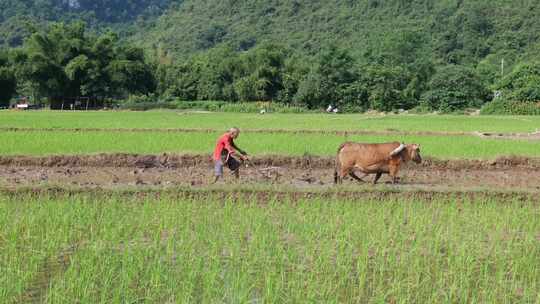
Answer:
x=225 y=152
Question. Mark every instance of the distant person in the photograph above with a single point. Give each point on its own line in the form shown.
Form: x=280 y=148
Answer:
x=22 y=104
x=225 y=154
x=329 y=109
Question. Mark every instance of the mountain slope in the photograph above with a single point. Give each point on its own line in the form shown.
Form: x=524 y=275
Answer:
x=18 y=17
x=454 y=31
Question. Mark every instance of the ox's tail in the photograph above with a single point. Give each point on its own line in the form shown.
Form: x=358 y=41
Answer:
x=337 y=168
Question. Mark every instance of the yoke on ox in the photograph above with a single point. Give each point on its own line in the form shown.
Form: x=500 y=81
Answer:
x=375 y=159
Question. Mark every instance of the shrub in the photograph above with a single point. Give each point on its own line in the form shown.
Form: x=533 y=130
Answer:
x=256 y=107
x=507 y=107
x=523 y=84
x=144 y=103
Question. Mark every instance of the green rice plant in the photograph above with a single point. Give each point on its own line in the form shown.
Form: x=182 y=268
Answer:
x=30 y=241
x=169 y=250
x=223 y=121
x=62 y=142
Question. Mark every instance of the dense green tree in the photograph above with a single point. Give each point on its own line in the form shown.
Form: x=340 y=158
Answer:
x=129 y=73
x=261 y=74
x=329 y=79
x=8 y=82
x=495 y=66
x=211 y=37
x=522 y=84
x=455 y=88
x=295 y=68
x=180 y=80
x=224 y=74
x=65 y=61
x=216 y=71
x=386 y=86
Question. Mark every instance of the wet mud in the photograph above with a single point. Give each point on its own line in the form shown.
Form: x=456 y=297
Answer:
x=124 y=160
x=505 y=174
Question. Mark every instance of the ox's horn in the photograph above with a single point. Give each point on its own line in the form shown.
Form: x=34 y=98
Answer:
x=398 y=150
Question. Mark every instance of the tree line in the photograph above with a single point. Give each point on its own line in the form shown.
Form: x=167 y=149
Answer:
x=388 y=81
x=66 y=60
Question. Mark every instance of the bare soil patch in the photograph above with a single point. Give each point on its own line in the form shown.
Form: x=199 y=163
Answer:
x=119 y=171
x=298 y=177
x=265 y=131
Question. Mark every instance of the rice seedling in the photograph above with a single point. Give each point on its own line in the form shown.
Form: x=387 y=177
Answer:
x=450 y=147
x=165 y=249
x=222 y=121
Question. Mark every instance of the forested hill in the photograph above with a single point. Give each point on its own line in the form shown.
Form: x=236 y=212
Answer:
x=16 y=16
x=443 y=55
x=454 y=31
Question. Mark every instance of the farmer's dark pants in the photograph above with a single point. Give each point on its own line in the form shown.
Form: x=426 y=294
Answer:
x=232 y=163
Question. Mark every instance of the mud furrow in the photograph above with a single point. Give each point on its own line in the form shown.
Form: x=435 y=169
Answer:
x=125 y=160
x=267 y=131
x=201 y=177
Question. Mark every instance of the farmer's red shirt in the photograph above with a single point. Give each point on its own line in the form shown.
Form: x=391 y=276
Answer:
x=224 y=142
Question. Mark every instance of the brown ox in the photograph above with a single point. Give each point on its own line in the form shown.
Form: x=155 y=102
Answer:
x=373 y=159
